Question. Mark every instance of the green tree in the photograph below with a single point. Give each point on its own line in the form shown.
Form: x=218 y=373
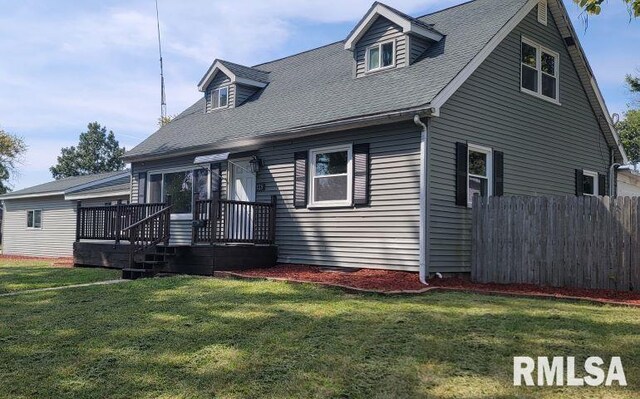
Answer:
x=594 y=7
x=634 y=83
x=12 y=148
x=97 y=152
x=165 y=120
x=629 y=131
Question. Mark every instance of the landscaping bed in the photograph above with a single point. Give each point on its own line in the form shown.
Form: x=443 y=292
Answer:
x=398 y=281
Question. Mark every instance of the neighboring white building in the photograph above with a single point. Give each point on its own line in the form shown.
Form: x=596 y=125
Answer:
x=629 y=181
x=41 y=220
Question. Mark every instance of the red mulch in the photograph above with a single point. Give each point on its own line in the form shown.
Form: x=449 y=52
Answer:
x=395 y=281
x=55 y=261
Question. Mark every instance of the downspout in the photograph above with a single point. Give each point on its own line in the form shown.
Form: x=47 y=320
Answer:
x=424 y=199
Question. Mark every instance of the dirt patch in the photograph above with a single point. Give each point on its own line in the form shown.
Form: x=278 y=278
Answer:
x=55 y=262
x=397 y=281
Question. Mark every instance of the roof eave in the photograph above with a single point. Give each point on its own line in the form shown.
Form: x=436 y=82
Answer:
x=302 y=131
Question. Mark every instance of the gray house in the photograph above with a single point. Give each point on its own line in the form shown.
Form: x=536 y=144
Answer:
x=370 y=149
x=41 y=220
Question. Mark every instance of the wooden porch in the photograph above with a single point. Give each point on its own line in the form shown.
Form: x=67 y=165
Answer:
x=226 y=235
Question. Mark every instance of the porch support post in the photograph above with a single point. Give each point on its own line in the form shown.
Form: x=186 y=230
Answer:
x=213 y=219
x=78 y=207
x=272 y=219
x=118 y=226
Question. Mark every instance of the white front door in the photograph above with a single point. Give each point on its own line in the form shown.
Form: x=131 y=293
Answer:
x=243 y=188
x=243 y=184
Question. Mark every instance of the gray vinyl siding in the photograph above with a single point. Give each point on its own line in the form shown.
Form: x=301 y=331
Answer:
x=382 y=235
x=382 y=30
x=58 y=232
x=543 y=143
x=417 y=47
x=243 y=93
x=220 y=80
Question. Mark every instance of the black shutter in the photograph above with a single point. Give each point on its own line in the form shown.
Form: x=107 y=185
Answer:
x=361 y=169
x=216 y=180
x=300 y=179
x=142 y=188
x=498 y=173
x=602 y=185
x=579 y=182
x=461 y=173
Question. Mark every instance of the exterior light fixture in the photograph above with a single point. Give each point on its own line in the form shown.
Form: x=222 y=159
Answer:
x=255 y=164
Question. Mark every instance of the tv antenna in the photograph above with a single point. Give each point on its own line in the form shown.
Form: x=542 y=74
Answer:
x=163 y=99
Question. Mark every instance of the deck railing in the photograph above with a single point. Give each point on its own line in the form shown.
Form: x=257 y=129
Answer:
x=110 y=222
x=149 y=231
x=226 y=221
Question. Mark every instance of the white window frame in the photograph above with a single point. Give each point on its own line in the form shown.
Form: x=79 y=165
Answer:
x=596 y=182
x=379 y=46
x=539 y=49
x=218 y=91
x=312 y=171
x=177 y=216
x=34 y=219
x=489 y=153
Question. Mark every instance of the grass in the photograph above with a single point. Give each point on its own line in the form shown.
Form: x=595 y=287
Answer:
x=19 y=275
x=186 y=337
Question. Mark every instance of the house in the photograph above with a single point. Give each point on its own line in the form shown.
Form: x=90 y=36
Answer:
x=371 y=148
x=628 y=181
x=41 y=220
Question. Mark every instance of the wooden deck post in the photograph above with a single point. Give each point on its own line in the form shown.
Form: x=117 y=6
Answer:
x=118 y=226
x=272 y=219
x=78 y=207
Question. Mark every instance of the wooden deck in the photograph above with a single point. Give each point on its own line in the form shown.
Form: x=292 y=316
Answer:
x=226 y=236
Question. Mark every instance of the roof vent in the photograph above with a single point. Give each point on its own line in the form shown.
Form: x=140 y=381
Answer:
x=542 y=12
x=570 y=41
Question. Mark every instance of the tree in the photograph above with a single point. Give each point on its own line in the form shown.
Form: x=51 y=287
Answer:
x=634 y=83
x=594 y=7
x=165 y=120
x=12 y=148
x=629 y=131
x=97 y=152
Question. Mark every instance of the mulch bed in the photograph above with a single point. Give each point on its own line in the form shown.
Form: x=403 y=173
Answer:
x=55 y=262
x=386 y=281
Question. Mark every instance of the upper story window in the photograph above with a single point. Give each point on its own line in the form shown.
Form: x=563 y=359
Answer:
x=331 y=176
x=220 y=97
x=480 y=174
x=540 y=71
x=380 y=56
x=34 y=219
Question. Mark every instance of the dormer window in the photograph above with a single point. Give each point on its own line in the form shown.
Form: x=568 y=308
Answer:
x=380 y=56
x=220 y=97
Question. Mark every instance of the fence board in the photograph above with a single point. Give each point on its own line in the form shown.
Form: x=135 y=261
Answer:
x=585 y=242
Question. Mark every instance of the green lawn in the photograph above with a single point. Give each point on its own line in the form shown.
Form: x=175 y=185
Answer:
x=200 y=338
x=19 y=275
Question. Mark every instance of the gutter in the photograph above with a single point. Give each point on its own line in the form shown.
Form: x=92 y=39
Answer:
x=425 y=183
x=304 y=131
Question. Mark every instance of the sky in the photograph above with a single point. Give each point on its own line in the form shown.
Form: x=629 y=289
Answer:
x=66 y=63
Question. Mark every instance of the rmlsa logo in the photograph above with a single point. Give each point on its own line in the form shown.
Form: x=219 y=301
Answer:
x=562 y=371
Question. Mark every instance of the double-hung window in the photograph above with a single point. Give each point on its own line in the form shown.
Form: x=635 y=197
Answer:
x=540 y=68
x=590 y=183
x=380 y=56
x=34 y=219
x=183 y=186
x=480 y=172
x=331 y=176
x=220 y=98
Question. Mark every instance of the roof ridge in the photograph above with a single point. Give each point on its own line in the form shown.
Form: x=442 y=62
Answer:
x=297 y=54
x=446 y=9
x=241 y=65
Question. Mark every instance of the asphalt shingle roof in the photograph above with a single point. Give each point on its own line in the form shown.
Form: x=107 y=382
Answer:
x=242 y=71
x=62 y=185
x=318 y=86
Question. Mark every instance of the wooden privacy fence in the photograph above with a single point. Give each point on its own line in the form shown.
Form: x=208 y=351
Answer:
x=585 y=242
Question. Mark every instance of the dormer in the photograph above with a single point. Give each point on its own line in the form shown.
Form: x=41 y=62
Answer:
x=386 y=39
x=229 y=85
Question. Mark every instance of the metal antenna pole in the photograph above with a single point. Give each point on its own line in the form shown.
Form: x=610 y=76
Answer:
x=163 y=99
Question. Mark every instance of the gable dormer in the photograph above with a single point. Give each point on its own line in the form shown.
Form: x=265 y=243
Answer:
x=229 y=85
x=387 y=39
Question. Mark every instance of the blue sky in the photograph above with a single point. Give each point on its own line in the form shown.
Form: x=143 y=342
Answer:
x=67 y=63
